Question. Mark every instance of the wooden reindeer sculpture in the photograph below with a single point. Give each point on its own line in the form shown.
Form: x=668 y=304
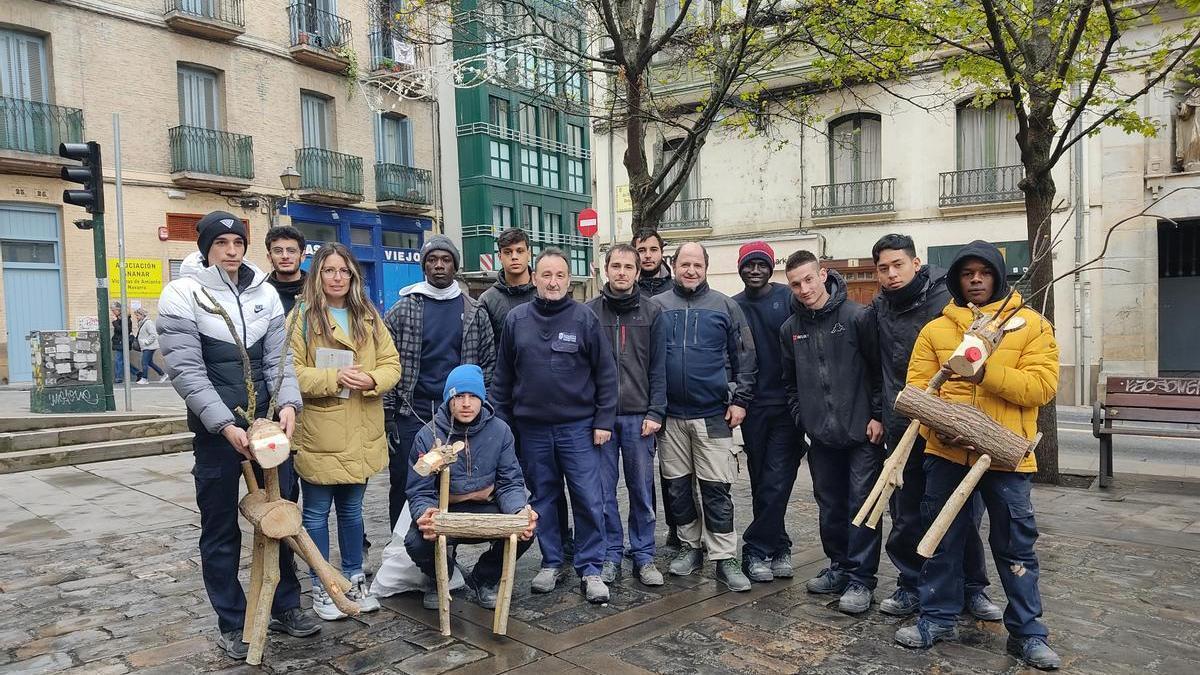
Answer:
x=274 y=519
x=469 y=526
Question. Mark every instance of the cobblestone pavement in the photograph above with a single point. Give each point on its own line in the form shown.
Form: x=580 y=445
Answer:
x=99 y=574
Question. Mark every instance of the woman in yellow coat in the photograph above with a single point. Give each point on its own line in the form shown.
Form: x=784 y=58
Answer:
x=345 y=360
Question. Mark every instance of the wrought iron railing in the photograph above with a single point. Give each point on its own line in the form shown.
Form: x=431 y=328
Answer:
x=226 y=11
x=317 y=28
x=392 y=50
x=982 y=186
x=686 y=213
x=865 y=196
x=30 y=126
x=210 y=151
x=402 y=183
x=322 y=169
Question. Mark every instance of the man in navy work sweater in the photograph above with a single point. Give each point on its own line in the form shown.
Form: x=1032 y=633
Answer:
x=706 y=330
x=636 y=328
x=435 y=327
x=773 y=444
x=831 y=364
x=556 y=381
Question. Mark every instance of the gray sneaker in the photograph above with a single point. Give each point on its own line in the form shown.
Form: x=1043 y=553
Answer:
x=688 y=560
x=902 y=603
x=981 y=607
x=827 y=582
x=595 y=590
x=1034 y=651
x=429 y=600
x=758 y=570
x=781 y=565
x=231 y=643
x=546 y=579
x=610 y=572
x=729 y=572
x=485 y=594
x=649 y=575
x=856 y=599
x=924 y=634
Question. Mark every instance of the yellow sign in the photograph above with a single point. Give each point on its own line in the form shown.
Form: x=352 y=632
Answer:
x=624 y=202
x=143 y=277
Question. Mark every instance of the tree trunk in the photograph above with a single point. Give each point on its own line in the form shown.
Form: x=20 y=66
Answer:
x=1039 y=204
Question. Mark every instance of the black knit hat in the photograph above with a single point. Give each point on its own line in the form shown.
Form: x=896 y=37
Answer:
x=216 y=224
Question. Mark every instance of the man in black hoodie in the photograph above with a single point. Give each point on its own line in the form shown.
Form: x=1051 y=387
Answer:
x=514 y=283
x=285 y=251
x=831 y=365
x=911 y=296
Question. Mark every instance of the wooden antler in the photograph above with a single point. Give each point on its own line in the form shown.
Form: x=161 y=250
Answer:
x=247 y=372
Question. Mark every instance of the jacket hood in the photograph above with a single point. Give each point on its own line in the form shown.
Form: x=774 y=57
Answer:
x=988 y=253
x=192 y=265
x=503 y=286
x=214 y=277
x=964 y=317
x=442 y=421
x=836 y=285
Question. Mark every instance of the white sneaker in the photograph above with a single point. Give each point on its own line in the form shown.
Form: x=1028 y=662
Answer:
x=165 y=378
x=359 y=594
x=143 y=381
x=323 y=605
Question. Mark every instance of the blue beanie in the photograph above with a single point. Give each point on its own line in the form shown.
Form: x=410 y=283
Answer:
x=465 y=379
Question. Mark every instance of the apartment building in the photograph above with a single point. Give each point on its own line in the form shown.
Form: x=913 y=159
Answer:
x=875 y=163
x=218 y=99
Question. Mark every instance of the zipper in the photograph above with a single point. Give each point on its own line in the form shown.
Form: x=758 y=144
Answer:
x=619 y=337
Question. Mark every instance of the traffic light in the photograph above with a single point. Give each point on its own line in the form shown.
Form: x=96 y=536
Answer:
x=91 y=175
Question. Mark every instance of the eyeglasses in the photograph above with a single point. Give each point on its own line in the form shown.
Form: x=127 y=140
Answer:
x=335 y=272
x=291 y=250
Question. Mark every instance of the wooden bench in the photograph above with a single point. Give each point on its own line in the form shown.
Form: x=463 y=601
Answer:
x=1173 y=403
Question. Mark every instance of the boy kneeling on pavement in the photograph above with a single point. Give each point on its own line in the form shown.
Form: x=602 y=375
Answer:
x=485 y=478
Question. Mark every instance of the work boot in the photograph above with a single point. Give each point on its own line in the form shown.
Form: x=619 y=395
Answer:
x=295 y=622
x=1034 y=652
x=610 y=571
x=856 y=599
x=595 y=590
x=981 y=607
x=902 y=603
x=827 y=582
x=924 y=634
x=485 y=594
x=781 y=565
x=688 y=560
x=429 y=600
x=758 y=569
x=729 y=572
x=649 y=575
x=231 y=643
x=673 y=540
x=546 y=579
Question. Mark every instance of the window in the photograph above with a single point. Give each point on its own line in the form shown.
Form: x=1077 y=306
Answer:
x=533 y=217
x=501 y=160
x=545 y=74
x=529 y=120
x=551 y=228
x=38 y=252
x=854 y=148
x=691 y=186
x=498 y=112
x=316 y=232
x=579 y=262
x=987 y=136
x=314 y=120
x=575 y=136
x=401 y=239
x=23 y=73
x=360 y=236
x=670 y=10
x=575 y=180
x=529 y=166
x=550 y=124
x=393 y=140
x=550 y=170
x=174 y=269
x=502 y=216
x=198 y=102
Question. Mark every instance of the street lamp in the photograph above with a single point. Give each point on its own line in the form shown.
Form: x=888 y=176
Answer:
x=290 y=178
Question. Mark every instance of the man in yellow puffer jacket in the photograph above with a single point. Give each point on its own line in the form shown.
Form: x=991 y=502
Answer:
x=1018 y=378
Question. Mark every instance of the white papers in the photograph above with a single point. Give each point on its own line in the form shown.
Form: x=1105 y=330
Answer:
x=335 y=358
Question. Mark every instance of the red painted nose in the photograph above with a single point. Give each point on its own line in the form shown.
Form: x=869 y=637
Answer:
x=272 y=445
x=973 y=354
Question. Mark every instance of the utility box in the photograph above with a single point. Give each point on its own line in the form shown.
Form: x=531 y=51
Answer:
x=66 y=372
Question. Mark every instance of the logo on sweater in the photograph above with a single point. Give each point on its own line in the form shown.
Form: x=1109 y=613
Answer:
x=567 y=337
x=837 y=328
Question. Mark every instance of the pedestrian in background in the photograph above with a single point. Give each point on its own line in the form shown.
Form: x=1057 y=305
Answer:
x=340 y=439
x=147 y=340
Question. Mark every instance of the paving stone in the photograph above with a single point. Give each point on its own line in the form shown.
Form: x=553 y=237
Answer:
x=60 y=643
x=374 y=658
x=113 y=667
x=77 y=623
x=12 y=638
x=90 y=582
x=46 y=663
x=441 y=660
x=429 y=639
x=169 y=652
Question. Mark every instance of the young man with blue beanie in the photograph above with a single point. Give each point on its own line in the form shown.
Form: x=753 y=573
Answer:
x=485 y=478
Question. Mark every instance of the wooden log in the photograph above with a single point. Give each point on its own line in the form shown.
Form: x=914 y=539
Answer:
x=277 y=519
x=269 y=552
x=480 y=525
x=248 y=474
x=988 y=436
x=331 y=579
x=256 y=581
x=269 y=445
x=954 y=504
x=504 y=594
x=443 y=584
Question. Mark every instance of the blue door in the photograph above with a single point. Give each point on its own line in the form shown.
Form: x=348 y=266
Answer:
x=33 y=296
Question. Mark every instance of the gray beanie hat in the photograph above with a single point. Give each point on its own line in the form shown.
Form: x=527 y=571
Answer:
x=440 y=242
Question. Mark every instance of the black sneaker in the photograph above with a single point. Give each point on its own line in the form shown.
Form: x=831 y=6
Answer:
x=1034 y=651
x=485 y=594
x=295 y=622
x=231 y=643
x=828 y=581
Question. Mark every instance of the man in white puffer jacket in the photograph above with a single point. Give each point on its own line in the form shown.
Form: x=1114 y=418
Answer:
x=206 y=369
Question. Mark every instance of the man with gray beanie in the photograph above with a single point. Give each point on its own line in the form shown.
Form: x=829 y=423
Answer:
x=436 y=327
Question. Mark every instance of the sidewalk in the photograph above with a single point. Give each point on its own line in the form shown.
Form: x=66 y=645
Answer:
x=154 y=398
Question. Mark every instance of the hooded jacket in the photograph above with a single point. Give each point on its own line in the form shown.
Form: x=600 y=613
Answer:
x=1018 y=378
x=660 y=282
x=501 y=298
x=831 y=366
x=709 y=352
x=288 y=290
x=635 y=326
x=898 y=316
x=986 y=252
x=201 y=357
x=489 y=459
x=765 y=314
x=340 y=441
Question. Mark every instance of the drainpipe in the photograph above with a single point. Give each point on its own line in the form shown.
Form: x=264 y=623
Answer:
x=1079 y=287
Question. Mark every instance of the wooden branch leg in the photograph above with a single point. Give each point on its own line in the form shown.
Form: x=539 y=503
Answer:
x=266 y=596
x=954 y=504
x=880 y=504
x=892 y=473
x=504 y=595
x=440 y=564
x=335 y=583
x=257 y=558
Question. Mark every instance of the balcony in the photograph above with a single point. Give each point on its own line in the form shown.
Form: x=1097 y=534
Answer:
x=403 y=189
x=30 y=133
x=211 y=159
x=993 y=185
x=319 y=39
x=213 y=19
x=856 y=198
x=394 y=57
x=687 y=214
x=329 y=177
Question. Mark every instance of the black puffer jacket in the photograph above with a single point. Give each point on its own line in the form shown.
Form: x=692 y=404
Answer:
x=660 y=282
x=501 y=298
x=831 y=368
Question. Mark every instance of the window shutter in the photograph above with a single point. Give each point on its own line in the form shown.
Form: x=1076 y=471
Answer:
x=35 y=64
x=182 y=226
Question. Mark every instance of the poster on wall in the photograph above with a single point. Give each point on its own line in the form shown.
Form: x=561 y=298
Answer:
x=143 y=277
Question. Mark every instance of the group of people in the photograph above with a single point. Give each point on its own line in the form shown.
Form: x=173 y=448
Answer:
x=555 y=399
x=143 y=339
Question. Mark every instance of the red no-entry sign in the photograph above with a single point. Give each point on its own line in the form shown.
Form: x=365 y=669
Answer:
x=588 y=223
